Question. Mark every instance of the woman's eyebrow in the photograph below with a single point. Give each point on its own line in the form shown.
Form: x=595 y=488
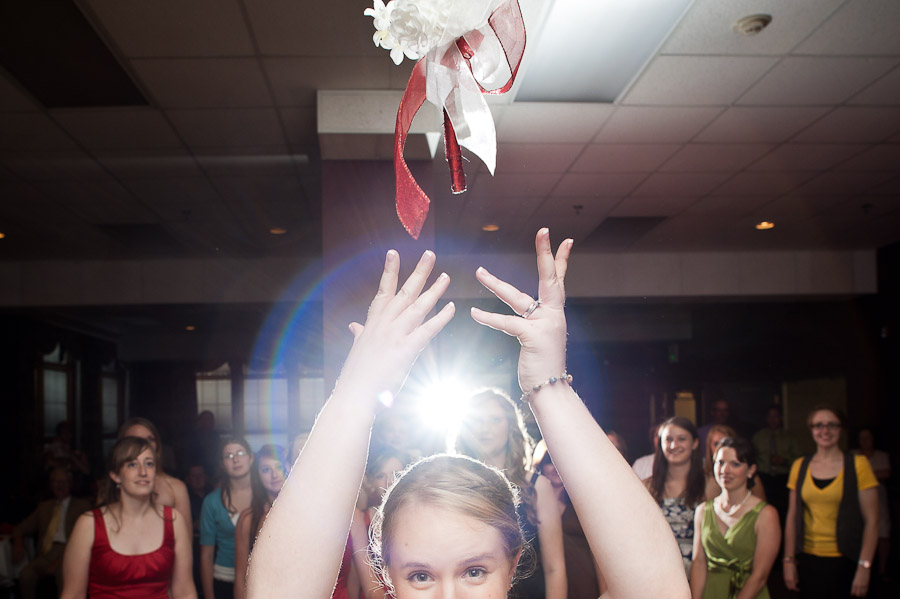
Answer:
x=478 y=558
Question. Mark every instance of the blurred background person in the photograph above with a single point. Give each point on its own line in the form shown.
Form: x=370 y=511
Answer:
x=716 y=433
x=776 y=450
x=736 y=534
x=583 y=578
x=169 y=490
x=720 y=413
x=130 y=546
x=51 y=525
x=831 y=529
x=492 y=430
x=270 y=466
x=881 y=465
x=643 y=466
x=678 y=482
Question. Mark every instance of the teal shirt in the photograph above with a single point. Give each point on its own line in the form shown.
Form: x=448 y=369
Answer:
x=217 y=529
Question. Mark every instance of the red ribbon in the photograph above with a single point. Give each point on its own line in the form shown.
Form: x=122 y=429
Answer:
x=412 y=203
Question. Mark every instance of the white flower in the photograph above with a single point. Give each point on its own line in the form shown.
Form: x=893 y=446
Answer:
x=412 y=28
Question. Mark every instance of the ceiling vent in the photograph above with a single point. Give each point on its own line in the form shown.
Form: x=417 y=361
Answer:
x=753 y=24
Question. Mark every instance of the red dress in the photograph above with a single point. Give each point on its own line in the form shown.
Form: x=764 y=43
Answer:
x=116 y=576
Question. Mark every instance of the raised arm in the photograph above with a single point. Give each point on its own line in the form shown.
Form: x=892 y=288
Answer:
x=310 y=520
x=624 y=527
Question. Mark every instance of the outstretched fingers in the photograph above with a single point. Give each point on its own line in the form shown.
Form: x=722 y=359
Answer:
x=550 y=285
x=413 y=286
x=387 y=287
x=416 y=312
x=509 y=324
x=505 y=292
x=431 y=327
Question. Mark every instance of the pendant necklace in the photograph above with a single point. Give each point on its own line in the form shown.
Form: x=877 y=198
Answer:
x=734 y=508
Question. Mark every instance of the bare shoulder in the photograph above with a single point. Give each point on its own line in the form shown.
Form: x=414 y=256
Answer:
x=174 y=483
x=542 y=485
x=700 y=510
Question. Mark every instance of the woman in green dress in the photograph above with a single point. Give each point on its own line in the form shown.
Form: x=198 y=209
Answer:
x=737 y=534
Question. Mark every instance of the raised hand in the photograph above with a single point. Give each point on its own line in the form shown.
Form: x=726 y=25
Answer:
x=396 y=330
x=542 y=331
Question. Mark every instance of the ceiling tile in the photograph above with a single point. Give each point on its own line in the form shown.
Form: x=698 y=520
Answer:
x=114 y=213
x=12 y=97
x=536 y=157
x=295 y=80
x=204 y=82
x=288 y=27
x=763 y=184
x=300 y=127
x=615 y=185
x=652 y=206
x=680 y=184
x=813 y=80
x=182 y=191
x=649 y=124
x=717 y=205
x=118 y=129
x=806 y=157
x=796 y=208
x=884 y=92
x=149 y=164
x=842 y=183
x=32 y=131
x=72 y=192
x=714 y=157
x=247 y=162
x=853 y=125
x=748 y=125
x=175 y=28
x=551 y=122
x=858 y=27
x=883 y=157
x=506 y=185
x=571 y=216
x=626 y=158
x=696 y=80
x=228 y=127
x=708 y=27
x=53 y=165
x=892 y=187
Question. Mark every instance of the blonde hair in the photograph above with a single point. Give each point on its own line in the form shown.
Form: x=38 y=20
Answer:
x=517 y=464
x=456 y=483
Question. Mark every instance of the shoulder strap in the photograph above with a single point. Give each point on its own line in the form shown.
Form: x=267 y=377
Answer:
x=850 y=522
x=100 y=535
x=798 y=521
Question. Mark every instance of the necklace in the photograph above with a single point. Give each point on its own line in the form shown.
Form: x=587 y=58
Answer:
x=734 y=508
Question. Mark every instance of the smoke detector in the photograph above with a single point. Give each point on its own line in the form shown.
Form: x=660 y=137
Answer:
x=753 y=24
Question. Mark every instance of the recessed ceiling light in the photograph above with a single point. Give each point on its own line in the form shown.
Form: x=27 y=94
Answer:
x=765 y=225
x=2 y=235
x=753 y=24
x=490 y=228
x=277 y=231
x=190 y=327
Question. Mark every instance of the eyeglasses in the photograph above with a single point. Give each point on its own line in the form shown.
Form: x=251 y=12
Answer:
x=231 y=456
x=820 y=426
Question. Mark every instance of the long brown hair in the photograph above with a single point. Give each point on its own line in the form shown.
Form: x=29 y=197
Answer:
x=125 y=450
x=695 y=488
x=259 y=504
x=519 y=447
x=256 y=485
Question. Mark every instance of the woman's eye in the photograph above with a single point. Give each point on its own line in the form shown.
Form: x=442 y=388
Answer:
x=419 y=577
x=475 y=573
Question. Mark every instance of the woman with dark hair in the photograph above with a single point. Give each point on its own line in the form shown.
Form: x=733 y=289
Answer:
x=270 y=465
x=716 y=433
x=130 y=546
x=241 y=486
x=169 y=490
x=831 y=529
x=737 y=534
x=678 y=482
x=448 y=526
x=493 y=430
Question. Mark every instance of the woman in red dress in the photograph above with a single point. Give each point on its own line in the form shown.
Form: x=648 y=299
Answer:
x=130 y=547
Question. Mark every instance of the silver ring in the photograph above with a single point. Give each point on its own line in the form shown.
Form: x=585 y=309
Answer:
x=534 y=306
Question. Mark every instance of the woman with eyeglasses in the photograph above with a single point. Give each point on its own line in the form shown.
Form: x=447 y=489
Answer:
x=219 y=515
x=831 y=528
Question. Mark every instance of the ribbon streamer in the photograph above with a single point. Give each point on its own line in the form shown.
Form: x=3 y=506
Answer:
x=451 y=78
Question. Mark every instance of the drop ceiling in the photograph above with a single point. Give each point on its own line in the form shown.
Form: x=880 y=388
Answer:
x=799 y=125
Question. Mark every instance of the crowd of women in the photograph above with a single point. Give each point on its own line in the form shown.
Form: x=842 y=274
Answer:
x=494 y=516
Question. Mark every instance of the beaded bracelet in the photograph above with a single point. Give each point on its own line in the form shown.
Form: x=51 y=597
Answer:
x=565 y=377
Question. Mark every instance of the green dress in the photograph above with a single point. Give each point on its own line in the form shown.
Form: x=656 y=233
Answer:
x=729 y=557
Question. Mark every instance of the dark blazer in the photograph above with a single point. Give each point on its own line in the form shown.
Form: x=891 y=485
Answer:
x=39 y=520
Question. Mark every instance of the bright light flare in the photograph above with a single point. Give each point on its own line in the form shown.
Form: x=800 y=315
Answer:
x=441 y=404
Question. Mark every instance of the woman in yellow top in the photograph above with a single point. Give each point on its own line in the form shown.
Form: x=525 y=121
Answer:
x=838 y=528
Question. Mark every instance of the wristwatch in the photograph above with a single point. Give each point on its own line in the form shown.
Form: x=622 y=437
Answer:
x=865 y=563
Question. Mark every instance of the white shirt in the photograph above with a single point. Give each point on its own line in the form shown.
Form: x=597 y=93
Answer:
x=643 y=466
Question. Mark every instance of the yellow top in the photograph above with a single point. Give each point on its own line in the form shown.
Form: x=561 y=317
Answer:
x=820 y=506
